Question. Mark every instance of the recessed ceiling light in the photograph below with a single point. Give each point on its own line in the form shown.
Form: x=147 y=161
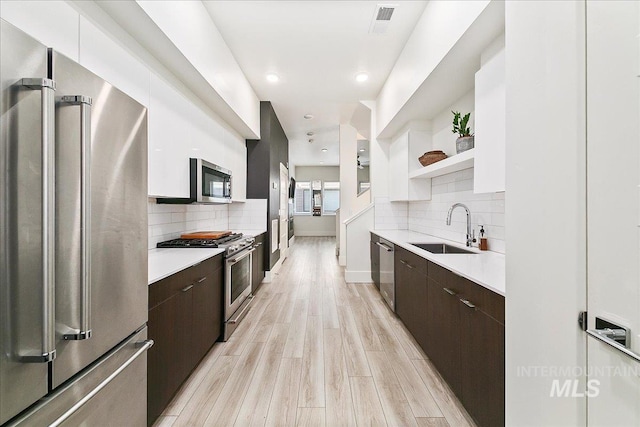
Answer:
x=272 y=78
x=324 y=150
x=308 y=116
x=310 y=133
x=361 y=150
x=362 y=77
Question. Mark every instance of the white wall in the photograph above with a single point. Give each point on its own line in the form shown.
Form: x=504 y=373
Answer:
x=545 y=207
x=441 y=25
x=350 y=202
x=308 y=225
x=442 y=138
x=358 y=266
x=190 y=28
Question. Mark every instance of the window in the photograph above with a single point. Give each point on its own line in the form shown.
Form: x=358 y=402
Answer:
x=302 y=199
x=331 y=197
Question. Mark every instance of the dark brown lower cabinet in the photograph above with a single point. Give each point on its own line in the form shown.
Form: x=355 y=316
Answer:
x=185 y=319
x=460 y=326
x=411 y=293
x=258 y=263
x=465 y=332
x=482 y=367
x=443 y=321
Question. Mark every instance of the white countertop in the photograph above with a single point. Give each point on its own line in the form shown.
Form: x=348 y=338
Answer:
x=485 y=268
x=165 y=262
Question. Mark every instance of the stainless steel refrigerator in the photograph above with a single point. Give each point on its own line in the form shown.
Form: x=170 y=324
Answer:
x=73 y=243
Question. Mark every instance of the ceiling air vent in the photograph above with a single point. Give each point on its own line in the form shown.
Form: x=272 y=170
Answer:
x=381 y=18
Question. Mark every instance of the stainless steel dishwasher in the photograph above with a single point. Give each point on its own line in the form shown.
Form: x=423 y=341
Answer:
x=387 y=281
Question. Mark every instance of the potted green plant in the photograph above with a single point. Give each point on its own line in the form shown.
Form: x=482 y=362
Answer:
x=465 y=139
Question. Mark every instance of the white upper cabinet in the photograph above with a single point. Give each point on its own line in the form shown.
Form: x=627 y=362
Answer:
x=180 y=130
x=489 y=171
x=169 y=138
x=403 y=160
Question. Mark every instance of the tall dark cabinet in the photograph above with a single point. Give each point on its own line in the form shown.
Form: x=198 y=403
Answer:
x=264 y=156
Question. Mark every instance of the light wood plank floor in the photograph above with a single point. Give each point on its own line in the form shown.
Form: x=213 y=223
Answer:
x=315 y=350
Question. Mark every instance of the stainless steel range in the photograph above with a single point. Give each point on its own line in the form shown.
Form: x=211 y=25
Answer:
x=238 y=273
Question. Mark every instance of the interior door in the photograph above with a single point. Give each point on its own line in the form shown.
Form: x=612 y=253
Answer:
x=613 y=214
x=284 y=214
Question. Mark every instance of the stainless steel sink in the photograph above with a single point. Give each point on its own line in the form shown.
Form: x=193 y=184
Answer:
x=442 y=248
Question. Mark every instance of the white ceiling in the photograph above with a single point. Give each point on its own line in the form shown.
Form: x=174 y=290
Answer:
x=316 y=48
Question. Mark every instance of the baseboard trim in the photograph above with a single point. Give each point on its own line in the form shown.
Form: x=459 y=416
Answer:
x=315 y=233
x=357 y=276
x=268 y=275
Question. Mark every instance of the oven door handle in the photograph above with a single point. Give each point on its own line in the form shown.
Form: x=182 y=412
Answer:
x=240 y=258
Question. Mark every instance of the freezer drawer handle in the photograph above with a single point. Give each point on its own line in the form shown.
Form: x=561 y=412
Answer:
x=84 y=332
x=145 y=345
x=47 y=88
x=602 y=336
x=615 y=335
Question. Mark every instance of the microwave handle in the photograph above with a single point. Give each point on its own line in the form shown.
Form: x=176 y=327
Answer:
x=84 y=102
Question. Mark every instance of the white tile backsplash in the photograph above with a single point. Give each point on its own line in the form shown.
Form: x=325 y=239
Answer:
x=170 y=221
x=487 y=209
x=390 y=215
x=251 y=215
x=430 y=216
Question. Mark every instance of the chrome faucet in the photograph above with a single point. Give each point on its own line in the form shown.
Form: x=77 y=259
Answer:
x=470 y=237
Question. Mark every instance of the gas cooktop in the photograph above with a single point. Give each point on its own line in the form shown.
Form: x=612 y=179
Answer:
x=232 y=244
x=200 y=243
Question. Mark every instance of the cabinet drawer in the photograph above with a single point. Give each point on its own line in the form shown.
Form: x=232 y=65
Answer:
x=204 y=270
x=375 y=237
x=485 y=300
x=410 y=259
x=165 y=288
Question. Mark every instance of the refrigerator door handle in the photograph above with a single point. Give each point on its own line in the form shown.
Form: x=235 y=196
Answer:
x=84 y=332
x=47 y=88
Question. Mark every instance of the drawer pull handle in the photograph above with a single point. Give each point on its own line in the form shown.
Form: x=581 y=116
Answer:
x=407 y=264
x=467 y=303
x=449 y=291
x=202 y=279
x=185 y=289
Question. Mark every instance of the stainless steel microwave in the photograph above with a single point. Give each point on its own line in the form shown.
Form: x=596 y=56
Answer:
x=208 y=183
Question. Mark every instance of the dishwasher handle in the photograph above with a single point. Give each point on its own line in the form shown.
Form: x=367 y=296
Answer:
x=385 y=247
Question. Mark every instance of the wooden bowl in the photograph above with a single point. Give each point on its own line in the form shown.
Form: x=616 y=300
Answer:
x=430 y=157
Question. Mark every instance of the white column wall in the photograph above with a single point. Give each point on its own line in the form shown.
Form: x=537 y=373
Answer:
x=545 y=208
